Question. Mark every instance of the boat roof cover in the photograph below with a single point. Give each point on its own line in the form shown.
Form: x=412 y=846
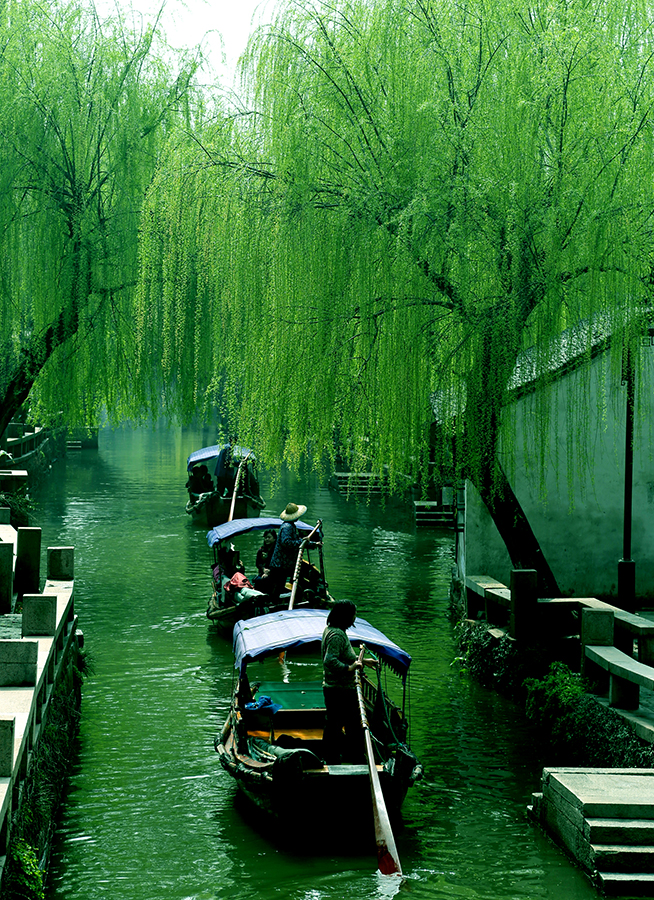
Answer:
x=213 y=452
x=266 y=635
x=243 y=526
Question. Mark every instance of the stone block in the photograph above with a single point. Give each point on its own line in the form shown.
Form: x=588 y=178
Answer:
x=568 y=829
x=523 y=618
x=28 y=560
x=18 y=661
x=10 y=479
x=61 y=563
x=623 y=694
x=597 y=627
x=7 y=733
x=39 y=614
x=6 y=576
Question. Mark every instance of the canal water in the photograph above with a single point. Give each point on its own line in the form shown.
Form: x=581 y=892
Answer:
x=150 y=815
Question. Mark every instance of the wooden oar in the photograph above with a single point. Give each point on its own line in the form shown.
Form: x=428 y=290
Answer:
x=387 y=857
x=298 y=564
x=236 y=484
x=296 y=575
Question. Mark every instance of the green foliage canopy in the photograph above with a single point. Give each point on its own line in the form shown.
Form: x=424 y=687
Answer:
x=84 y=106
x=409 y=196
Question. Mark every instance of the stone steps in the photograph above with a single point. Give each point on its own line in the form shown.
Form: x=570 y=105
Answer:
x=623 y=858
x=357 y=483
x=625 y=884
x=605 y=818
x=428 y=512
x=625 y=831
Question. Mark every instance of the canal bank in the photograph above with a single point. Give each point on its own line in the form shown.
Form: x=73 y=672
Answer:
x=582 y=668
x=40 y=696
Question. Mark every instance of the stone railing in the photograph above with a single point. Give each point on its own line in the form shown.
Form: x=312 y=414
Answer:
x=35 y=655
x=21 y=440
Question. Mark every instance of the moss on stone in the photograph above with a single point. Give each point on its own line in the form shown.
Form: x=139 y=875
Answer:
x=33 y=822
x=575 y=727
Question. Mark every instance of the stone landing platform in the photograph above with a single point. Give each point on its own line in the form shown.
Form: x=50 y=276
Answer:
x=605 y=819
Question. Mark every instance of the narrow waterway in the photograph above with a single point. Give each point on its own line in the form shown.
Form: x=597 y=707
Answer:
x=150 y=814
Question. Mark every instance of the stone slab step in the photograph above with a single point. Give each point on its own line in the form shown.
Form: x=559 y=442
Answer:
x=604 y=793
x=622 y=884
x=621 y=831
x=435 y=520
x=623 y=858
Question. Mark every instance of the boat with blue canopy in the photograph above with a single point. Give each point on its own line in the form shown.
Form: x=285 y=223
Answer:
x=268 y=635
x=222 y=484
x=272 y=740
x=240 y=587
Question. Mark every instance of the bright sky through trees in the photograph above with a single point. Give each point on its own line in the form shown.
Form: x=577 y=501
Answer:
x=222 y=26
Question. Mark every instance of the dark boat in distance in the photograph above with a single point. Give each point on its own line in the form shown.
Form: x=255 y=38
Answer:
x=234 y=596
x=222 y=485
x=271 y=742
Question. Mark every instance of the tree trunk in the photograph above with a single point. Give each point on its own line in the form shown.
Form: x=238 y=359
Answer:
x=33 y=358
x=516 y=532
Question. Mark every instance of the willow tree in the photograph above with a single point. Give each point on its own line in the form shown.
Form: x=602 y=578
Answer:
x=410 y=195
x=84 y=107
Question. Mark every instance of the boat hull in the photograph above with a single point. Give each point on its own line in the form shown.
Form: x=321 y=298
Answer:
x=213 y=509
x=276 y=792
x=274 y=751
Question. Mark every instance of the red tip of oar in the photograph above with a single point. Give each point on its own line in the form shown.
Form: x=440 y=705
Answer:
x=387 y=864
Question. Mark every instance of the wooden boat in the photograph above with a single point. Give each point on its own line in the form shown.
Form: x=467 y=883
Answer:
x=232 y=599
x=271 y=742
x=222 y=484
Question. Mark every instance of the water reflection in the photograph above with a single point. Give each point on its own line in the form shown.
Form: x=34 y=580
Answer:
x=151 y=816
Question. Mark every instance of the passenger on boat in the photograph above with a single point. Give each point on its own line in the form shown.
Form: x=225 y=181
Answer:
x=225 y=472
x=199 y=481
x=265 y=552
x=264 y=555
x=207 y=481
x=284 y=557
x=340 y=663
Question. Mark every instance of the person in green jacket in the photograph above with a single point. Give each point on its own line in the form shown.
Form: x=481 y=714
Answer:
x=340 y=663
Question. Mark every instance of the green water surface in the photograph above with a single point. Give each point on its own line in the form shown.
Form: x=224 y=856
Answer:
x=150 y=815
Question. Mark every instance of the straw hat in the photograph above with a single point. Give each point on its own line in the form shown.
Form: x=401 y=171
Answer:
x=292 y=512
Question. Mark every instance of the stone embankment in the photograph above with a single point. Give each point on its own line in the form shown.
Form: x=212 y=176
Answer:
x=37 y=652
x=603 y=817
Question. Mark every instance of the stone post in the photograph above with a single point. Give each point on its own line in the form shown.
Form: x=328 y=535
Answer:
x=7 y=732
x=61 y=563
x=523 y=623
x=597 y=629
x=6 y=576
x=39 y=615
x=18 y=661
x=28 y=561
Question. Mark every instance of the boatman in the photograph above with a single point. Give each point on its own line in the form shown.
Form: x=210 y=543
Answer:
x=343 y=735
x=287 y=547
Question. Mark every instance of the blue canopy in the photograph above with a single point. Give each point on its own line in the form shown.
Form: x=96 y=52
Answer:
x=213 y=452
x=243 y=526
x=267 y=635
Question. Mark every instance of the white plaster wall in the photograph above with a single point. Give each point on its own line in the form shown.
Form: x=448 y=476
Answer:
x=580 y=524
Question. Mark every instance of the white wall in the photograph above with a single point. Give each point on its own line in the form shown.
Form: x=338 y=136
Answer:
x=579 y=523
